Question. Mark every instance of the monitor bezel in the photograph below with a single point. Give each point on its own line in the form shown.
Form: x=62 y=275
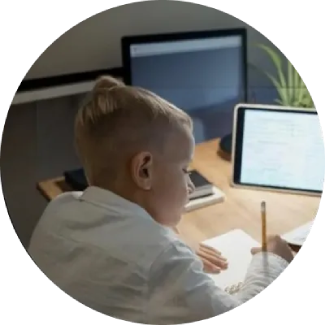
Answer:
x=128 y=41
x=238 y=135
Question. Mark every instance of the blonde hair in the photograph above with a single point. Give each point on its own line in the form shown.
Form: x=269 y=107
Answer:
x=117 y=121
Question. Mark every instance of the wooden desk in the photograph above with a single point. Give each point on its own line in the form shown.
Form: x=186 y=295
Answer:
x=51 y=188
x=241 y=208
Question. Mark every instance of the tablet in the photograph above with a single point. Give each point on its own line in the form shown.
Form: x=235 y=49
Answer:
x=278 y=148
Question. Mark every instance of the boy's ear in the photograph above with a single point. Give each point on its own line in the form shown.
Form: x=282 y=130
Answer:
x=141 y=169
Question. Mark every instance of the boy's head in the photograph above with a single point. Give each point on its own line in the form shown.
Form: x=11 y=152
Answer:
x=137 y=145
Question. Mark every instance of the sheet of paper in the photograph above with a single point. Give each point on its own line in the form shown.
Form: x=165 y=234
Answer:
x=236 y=246
x=298 y=235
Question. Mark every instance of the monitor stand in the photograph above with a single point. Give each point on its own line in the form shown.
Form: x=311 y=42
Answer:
x=225 y=147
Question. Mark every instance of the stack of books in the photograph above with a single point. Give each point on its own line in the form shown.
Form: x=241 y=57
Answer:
x=205 y=192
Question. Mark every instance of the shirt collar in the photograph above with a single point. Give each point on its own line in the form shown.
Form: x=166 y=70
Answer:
x=112 y=201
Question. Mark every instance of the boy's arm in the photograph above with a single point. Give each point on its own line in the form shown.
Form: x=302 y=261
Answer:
x=180 y=292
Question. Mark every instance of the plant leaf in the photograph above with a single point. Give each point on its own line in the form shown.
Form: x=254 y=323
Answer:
x=304 y=99
x=278 y=101
x=296 y=78
x=291 y=86
x=307 y=101
x=281 y=91
x=278 y=65
x=301 y=92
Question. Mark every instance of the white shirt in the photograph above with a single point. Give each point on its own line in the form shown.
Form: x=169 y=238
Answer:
x=110 y=255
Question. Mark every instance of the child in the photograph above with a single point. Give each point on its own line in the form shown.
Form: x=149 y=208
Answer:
x=112 y=247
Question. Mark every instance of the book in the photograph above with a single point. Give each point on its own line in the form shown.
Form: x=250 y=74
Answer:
x=298 y=235
x=236 y=246
x=202 y=186
x=217 y=196
x=76 y=179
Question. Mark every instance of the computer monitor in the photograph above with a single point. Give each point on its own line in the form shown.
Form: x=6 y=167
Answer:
x=203 y=73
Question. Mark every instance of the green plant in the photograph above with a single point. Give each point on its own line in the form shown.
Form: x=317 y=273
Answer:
x=291 y=89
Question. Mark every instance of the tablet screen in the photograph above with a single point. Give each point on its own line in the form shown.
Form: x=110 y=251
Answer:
x=280 y=149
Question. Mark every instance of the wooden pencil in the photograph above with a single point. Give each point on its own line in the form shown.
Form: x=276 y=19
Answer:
x=264 y=228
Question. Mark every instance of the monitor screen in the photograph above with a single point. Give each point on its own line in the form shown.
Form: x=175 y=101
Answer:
x=203 y=74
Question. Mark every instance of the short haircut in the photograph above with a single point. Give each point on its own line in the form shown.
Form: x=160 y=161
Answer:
x=117 y=121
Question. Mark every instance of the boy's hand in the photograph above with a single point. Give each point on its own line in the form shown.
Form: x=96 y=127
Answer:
x=276 y=245
x=212 y=259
